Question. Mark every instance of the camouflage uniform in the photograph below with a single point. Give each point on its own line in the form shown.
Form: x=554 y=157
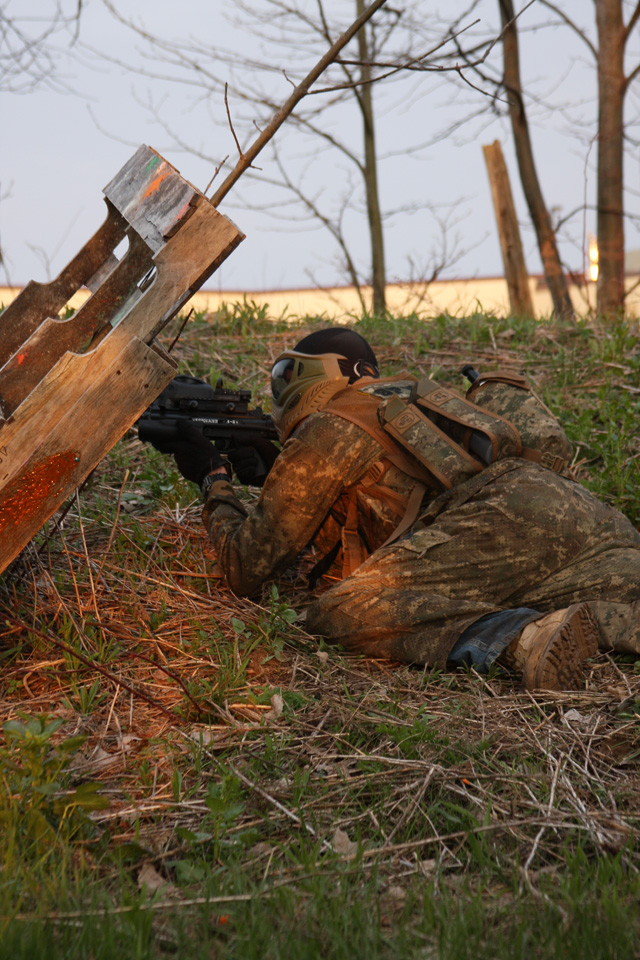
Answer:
x=514 y=535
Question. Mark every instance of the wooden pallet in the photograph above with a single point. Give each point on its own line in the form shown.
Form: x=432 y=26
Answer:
x=71 y=387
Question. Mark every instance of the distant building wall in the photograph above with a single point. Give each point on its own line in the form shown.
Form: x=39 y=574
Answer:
x=456 y=297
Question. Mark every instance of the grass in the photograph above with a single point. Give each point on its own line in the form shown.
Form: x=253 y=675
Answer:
x=188 y=774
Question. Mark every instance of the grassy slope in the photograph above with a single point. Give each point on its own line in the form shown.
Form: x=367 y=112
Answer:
x=270 y=798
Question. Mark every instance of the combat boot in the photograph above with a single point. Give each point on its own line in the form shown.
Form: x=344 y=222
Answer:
x=549 y=652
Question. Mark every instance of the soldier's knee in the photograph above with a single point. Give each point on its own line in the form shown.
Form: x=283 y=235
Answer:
x=323 y=618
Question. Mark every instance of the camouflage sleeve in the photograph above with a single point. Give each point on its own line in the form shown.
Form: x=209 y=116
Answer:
x=317 y=463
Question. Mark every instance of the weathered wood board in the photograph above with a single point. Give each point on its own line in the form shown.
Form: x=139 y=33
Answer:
x=70 y=388
x=60 y=459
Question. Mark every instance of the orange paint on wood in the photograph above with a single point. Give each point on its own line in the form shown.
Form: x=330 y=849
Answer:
x=182 y=212
x=22 y=500
x=155 y=183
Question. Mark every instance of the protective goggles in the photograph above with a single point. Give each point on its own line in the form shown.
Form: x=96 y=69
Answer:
x=281 y=374
x=284 y=370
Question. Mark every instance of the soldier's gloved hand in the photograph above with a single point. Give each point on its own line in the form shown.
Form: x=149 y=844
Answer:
x=195 y=456
x=253 y=460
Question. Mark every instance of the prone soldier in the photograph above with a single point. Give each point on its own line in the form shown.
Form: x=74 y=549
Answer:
x=455 y=533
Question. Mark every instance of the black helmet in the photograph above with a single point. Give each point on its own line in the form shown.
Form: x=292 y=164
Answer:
x=358 y=359
x=304 y=379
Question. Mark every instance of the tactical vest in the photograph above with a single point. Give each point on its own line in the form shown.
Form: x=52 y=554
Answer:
x=440 y=438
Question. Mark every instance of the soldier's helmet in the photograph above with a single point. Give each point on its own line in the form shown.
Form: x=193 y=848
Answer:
x=304 y=379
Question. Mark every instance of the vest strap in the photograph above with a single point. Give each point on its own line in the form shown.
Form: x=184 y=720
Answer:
x=361 y=409
x=406 y=428
x=548 y=460
x=499 y=376
x=411 y=514
x=439 y=454
x=353 y=553
x=352 y=548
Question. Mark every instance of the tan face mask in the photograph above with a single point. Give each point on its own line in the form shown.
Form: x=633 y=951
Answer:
x=301 y=384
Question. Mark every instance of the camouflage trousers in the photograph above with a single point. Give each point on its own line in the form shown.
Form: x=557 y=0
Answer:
x=516 y=535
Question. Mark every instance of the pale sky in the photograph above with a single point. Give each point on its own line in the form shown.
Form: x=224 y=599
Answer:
x=61 y=148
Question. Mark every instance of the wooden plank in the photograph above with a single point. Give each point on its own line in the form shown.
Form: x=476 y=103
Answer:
x=515 y=270
x=148 y=193
x=111 y=401
x=41 y=300
x=185 y=262
x=55 y=337
x=57 y=393
x=152 y=196
x=72 y=388
x=63 y=384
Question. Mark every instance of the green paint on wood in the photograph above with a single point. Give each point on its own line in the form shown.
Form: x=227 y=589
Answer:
x=152 y=163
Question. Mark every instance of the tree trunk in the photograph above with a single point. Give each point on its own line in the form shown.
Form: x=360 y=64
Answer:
x=378 y=276
x=611 y=90
x=538 y=212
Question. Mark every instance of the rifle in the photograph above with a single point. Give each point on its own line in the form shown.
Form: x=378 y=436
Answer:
x=223 y=415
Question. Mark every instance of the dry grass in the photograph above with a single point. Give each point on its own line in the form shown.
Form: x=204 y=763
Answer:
x=384 y=741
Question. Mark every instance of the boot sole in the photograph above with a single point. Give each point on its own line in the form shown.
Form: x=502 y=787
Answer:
x=559 y=665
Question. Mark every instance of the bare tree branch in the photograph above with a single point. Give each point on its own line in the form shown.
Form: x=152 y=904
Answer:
x=233 y=133
x=570 y=23
x=633 y=19
x=287 y=108
x=415 y=64
x=632 y=76
x=28 y=51
x=332 y=224
x=294 y=25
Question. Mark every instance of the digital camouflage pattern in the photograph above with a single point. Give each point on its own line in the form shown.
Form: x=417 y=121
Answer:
x=537 y=426
x=517 y=535
x=514 y=535
x=304 y=500
x=619 y=625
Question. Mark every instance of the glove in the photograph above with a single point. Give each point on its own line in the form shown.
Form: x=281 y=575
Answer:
x=195 y=456
x=253 y=460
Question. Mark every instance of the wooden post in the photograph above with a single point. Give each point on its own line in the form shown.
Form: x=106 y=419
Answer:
x=515 y=270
